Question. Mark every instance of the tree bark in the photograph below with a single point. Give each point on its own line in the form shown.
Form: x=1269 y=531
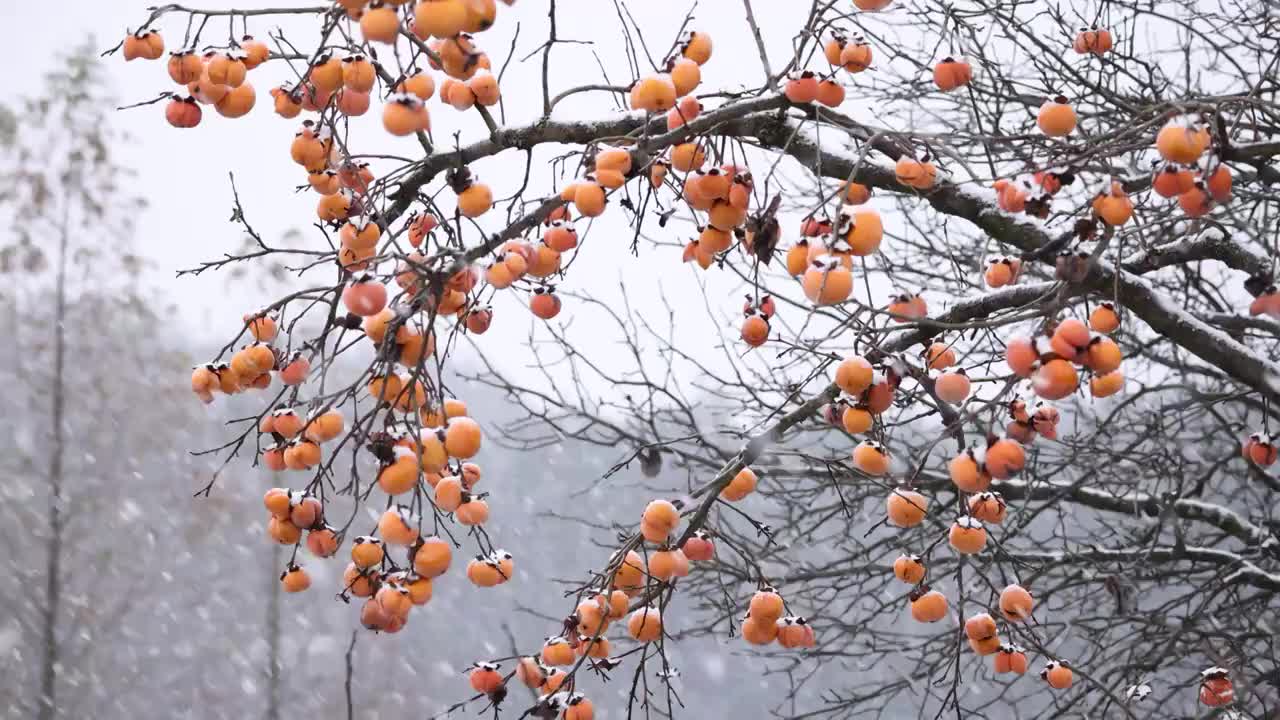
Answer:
x=53 y=563
x=273 y=640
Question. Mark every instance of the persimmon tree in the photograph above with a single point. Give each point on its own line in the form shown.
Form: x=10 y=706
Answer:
x=999 y=397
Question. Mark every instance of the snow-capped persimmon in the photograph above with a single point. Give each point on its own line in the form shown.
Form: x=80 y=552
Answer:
x=879 y=397
x=909 y=569
x=325 y=426
x=226 y=69
x=685 y=74
x=1010 y=659
x=380 y=24
x=398 y=526
x=473 y=512
x=794 y=631
x=1260 y=449
x=302 y=455
x=654 y=93
x=755 y=330
x=1216 y=688
x=294 y=579
x=577 y=706
x=871 y=458
x=742 y=485
x=484 y=572
x=1002 y=271
x=439 y=18
x=1056 y=379
x=629 y=576
x=405 y=115
x=645 y=624
x=144 y=44
x=856 y=420
x=1172 y=180
x=696 y=46
x=364 y=296
x=531 y=672
x=306 y=511
x=418 y=84
x=593 y=617
x=557 y=651
x=185 y=67
x=906 y=508
x=285 y=103
x=1113 y=205
x=322 y=542
x=183 y=112
x=952 y=386
x=1103 y=355
x=801 y=87
x=827 y=282
x=862 y=229
x=544 y=303
x=907 y=307
x=1104 y=319
x=1071 y=340
x=255 y=52
x=358 y=581
x=988 y=507
x=854 y=375
x=950 y=74
x=980 y=626
x=1057 y=674
x=366 y=551
x=758 y=631
x=1182 y=141
x=766 y=605
x=699 y=547
x=484 y=87
x=967 y=535
x=277 y=502
x=485 y=678
x=1092 y=40
x=830 y=93
x=1056 y=117
x=1196 y=202
x=927 y=606
x=1021 y=355
x=431 y=557
x=352 y=103
x=1219 y=183
x=856 y=56
x=1101 y=386
x=915 y=173
x=1016 y=603
x=1004 y=457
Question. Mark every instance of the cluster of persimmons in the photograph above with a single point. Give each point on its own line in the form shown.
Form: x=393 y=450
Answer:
x=426 y=447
